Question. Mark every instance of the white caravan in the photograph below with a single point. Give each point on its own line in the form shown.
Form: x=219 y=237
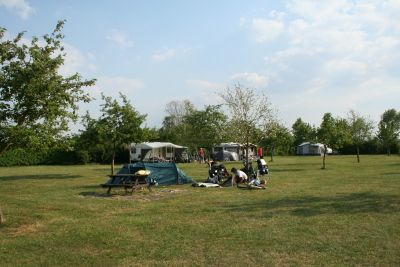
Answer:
x=158 y=151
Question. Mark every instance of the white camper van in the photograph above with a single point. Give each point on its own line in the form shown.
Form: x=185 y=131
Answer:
x=158 y=151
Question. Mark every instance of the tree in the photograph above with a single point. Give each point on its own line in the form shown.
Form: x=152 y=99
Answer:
x=205 y=128
x=174 y=129
x=360 y=130
x=177 y=110
x=36 y=102
x=389 y=129
x=277 y=137
x=90 y=142
x=333 y=132
x=303 y=132
x=119 y=124
x=248 y=112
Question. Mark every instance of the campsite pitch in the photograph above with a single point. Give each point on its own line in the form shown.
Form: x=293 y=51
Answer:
x=346 y=215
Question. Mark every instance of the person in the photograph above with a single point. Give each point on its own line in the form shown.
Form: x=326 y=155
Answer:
x=256 y=183
x=248 y=169
x=217 y=173
x=262 y=167
x=238 y=176
x=201 y=155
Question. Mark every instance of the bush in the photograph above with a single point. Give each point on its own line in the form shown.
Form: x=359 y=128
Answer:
x=22 y=157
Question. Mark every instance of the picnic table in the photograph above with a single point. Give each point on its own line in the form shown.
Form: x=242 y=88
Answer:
x=127 y=181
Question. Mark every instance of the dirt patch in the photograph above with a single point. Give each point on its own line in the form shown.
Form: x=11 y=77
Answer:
x=26 y=229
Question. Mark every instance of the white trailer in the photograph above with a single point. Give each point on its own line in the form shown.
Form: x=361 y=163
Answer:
x=233 y=151
x=158 y=151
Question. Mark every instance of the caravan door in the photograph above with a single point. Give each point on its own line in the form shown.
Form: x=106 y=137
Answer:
x=135 y=153
x=169 y=153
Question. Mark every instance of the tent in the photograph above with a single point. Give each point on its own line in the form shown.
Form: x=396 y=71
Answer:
x=164 y=173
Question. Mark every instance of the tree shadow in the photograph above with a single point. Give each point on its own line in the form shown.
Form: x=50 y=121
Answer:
x=391 y=173
x=38 y=177
x=288 y=170
x=306 y=206
x=95 y=194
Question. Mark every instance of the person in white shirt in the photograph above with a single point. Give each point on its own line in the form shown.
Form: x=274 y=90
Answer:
x=262 y=167
x=238 y=177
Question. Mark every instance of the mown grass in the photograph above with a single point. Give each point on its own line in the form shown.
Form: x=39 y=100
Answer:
x=346 y=215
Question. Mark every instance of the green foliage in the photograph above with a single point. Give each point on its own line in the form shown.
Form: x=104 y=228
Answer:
x=334 y=132
x=249 y=113
x=107 y=138
x=303 y=132
x=277 y=139
x=27 y=157
x=360 y=130
x=389 y=129
x=36 y=102
x=205 y=128
x=193 y=128
x=174 y=129
x=120 y=123
x=22 y=157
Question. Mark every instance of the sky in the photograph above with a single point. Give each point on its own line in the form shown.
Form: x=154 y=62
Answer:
x=308 y=57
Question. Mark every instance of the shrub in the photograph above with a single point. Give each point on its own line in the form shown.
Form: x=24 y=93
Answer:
x=22 y=157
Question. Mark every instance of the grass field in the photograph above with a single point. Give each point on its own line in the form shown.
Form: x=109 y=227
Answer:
x=346 y=215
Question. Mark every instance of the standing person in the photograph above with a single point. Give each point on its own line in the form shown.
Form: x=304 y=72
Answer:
x=260 y=152
x=201 y=155
x=238 y=177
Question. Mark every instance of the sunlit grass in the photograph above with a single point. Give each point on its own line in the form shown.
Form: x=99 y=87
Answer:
x=348 y=214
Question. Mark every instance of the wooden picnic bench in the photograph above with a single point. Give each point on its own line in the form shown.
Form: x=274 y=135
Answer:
x=127 y=181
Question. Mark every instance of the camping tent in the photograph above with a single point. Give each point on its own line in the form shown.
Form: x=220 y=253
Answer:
x=164 y=173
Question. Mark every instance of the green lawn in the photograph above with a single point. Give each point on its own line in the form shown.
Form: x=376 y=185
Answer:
x=346 y=215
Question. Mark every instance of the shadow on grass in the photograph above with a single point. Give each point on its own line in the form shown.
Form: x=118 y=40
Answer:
x=38 y=177
x=391 y=173
x=95 y=194
x=311 y=206
x=288 y=170
x=91 y=186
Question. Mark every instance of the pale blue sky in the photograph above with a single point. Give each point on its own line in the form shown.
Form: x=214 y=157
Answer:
x=309 y=57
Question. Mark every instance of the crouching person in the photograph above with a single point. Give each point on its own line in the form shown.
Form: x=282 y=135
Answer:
x=238 y=177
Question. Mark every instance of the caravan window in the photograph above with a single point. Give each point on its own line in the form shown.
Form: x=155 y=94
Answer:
x=133 y=150
x=217 y=149
x=231 y=149
x=169 y=149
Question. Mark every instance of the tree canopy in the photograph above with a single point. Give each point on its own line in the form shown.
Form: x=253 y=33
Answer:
x=36 y=101
x=248 y=113
x=360 y=130
x=389 y=129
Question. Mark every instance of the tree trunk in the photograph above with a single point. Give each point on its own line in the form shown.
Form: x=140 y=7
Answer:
x=358 y=154
x=113 y=160
x=323 y=159
x=272 y=153
x=247 y=150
